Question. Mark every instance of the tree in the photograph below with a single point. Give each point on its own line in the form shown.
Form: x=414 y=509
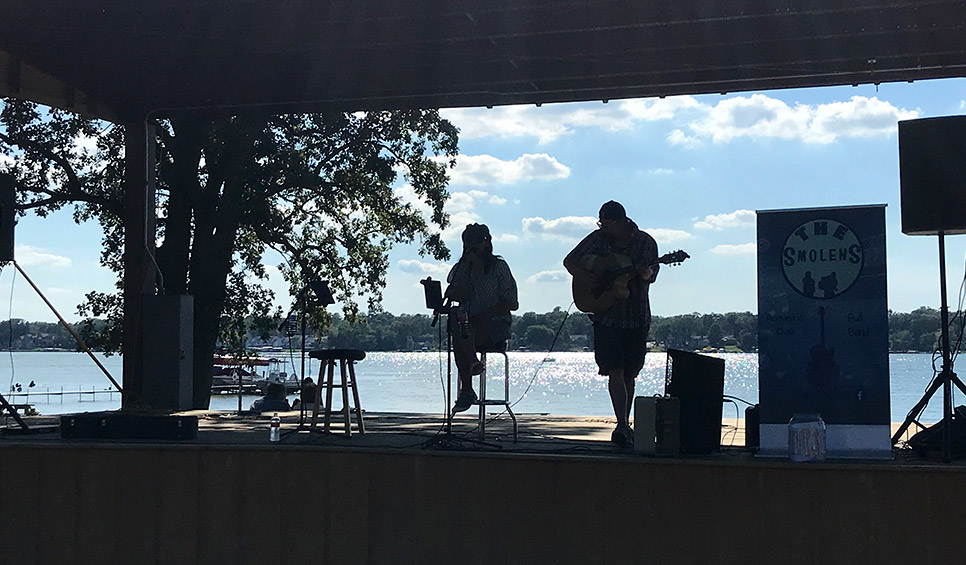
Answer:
x=538 y=338
x=714 y=334
x=317 y=188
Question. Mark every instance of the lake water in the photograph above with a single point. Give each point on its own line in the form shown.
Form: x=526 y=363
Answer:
x=416 y=382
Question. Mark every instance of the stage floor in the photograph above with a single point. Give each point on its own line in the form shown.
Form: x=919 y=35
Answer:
x=537 y=434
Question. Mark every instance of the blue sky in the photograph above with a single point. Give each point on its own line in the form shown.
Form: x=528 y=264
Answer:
x=689 y=170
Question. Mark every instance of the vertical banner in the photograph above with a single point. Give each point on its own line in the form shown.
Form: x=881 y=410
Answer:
x=823 y=328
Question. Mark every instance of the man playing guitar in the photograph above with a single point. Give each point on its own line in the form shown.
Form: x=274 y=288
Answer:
x=620 y=330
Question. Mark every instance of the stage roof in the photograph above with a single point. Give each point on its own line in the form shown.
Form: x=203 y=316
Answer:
x=122 y=59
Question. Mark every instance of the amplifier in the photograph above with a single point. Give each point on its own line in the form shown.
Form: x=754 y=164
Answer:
x=657 y=425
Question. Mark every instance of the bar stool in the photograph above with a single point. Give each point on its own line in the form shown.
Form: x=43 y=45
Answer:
x=483 y=401
x=347 y=374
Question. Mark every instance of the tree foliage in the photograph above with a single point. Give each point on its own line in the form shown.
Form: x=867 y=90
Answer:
x=321 y=189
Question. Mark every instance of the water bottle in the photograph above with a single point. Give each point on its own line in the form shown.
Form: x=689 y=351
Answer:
x=462 y=323
x=274 y=428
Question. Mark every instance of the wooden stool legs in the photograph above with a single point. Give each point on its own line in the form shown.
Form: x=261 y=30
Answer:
x=347 y=376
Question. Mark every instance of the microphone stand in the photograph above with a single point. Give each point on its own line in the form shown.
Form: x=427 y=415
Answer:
x=300 y=304
x=445 y=309
x=447 y=440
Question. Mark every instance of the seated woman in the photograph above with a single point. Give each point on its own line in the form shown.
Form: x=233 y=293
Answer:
x=306 y=399
x=484 y=287
x=273 y=401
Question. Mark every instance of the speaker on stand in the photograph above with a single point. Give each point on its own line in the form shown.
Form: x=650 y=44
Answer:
x=932 y=175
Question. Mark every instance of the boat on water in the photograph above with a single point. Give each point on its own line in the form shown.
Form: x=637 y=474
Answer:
x=253 y=375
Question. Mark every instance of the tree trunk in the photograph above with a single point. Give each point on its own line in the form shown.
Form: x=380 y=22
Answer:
x=174 y=253
x=216 y=226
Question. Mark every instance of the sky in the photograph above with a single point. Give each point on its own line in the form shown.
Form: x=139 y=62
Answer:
x=690 y=170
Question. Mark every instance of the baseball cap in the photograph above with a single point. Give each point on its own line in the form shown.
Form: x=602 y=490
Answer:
x=612 y=210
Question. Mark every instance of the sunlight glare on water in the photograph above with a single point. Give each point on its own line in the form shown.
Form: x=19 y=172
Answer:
x=564 y=383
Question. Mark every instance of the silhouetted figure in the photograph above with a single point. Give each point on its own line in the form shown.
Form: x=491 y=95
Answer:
x=273 y=401
x=620 y=331
x=307 y=392
x=483 y=286
x=808 y=284
x=829 y=284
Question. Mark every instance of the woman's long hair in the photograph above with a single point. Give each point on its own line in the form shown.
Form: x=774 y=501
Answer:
x=471 y=239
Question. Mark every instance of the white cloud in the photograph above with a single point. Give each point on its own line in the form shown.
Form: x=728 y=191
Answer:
x=407 y=194
x=678 y=137
x=506 y=238
x=549 y=276
x=740 y=249
x=460 y=202
x=664 y=235
x=423 y=268
x=760 y=116
x=57 y=291
x=962 y=104
x=552 y=121
x=754 y=116
x=507 y=121
x=33 y=256
x=568 y=228
x=482 y=195
x=859 y=117
x=718 y=222
x=483 y=170
x=661 y=172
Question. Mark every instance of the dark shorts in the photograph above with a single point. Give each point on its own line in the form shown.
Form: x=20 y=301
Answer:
x=620 y=348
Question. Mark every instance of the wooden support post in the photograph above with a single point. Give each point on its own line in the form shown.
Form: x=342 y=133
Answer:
x=139 y=273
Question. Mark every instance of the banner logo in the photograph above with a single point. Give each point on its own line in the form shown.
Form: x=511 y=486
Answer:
x=822 y=258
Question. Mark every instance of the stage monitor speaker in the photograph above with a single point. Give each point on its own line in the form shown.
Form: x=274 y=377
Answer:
x=932 y=175
x=118 y=425
x=8 y=217
x=697 y=381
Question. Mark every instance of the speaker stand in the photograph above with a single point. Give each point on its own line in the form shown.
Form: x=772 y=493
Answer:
x=946 y=377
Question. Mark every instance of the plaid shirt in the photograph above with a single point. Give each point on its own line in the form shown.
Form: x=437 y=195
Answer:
x=487 y=287
x=635 y=310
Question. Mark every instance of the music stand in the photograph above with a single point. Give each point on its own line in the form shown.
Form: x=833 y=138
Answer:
x=324 y=296
x=946 y=377
x=434 y=301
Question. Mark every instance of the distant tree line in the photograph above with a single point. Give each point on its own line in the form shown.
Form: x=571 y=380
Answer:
x=20 y=335
x=734 y=331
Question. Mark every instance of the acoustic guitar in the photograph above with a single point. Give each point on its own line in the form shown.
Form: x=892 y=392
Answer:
x=611 y=273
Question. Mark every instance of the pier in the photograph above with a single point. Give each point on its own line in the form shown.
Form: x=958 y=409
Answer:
x=81 y=395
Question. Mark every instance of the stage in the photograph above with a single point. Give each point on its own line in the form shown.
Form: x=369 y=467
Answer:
x=403 y=494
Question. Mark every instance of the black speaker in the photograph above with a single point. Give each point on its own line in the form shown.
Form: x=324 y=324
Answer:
x=928 y=442
x=116 y=425
x=697 y=381
x=752 y=422
x=932 y=175
x=8 y=211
